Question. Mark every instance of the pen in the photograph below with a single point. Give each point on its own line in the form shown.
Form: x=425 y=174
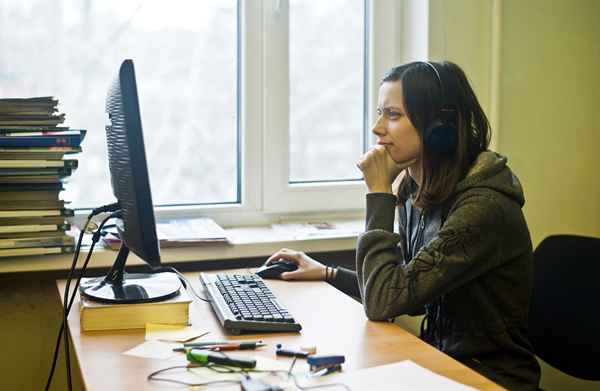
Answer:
x=237 y=346
x=198 y=345
x=220 y=345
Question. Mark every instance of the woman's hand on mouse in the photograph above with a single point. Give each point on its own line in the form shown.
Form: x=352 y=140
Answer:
x=380 y=170
x=308 y=268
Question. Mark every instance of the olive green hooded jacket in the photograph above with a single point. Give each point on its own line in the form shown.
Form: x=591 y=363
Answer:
x=472 y=276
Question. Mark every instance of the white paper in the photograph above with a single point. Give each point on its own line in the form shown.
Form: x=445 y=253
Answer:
x=403 y=375
x=171 y=333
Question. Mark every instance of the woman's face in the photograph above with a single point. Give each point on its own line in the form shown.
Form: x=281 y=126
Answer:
x=393 y=128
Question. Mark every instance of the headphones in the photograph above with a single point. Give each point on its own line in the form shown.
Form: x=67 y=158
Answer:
x=441 y=136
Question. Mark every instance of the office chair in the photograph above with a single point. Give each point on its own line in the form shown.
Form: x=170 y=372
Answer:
x=564 y=318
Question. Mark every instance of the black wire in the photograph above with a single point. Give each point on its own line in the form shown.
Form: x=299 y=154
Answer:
x=244 y=372
x=95 y=239
x=60 y=331
x=67 y=307
x=152 y=376
x=328 y=385
x=290 y=374
x=186 y=283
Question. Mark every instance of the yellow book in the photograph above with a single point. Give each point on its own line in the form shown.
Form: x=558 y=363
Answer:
x=101 y=316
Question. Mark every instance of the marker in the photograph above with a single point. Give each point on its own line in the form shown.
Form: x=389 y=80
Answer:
x=206 y=356
x=237 y=346
x=204 y=344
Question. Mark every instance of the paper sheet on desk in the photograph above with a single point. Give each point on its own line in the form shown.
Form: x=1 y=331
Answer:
x=172 y=333
x=404 y=375
x=154 y=349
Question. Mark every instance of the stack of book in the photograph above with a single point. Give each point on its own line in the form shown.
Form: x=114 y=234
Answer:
x=34 y=164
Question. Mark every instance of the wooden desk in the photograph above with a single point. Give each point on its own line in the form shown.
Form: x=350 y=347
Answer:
x=331 y=321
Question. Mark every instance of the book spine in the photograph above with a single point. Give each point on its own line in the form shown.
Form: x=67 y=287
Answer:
x=41 y=141
x=32 y=205
x=31 y=164
x=37 y=242
x=20 y=252
x=28 y=228
x=31 y=220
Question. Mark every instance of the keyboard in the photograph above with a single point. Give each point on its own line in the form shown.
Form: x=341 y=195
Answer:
x=244 y=303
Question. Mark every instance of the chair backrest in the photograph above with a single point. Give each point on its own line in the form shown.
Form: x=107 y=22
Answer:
x=564 y=319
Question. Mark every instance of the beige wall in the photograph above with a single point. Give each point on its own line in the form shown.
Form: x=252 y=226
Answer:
x=550 y=100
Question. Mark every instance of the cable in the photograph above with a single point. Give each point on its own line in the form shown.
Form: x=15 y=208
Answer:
x=243 y=372
x=67 y=308
x=290 y=374
x=152 y=376
x=60 y=332
x=186 y=283
x=67 y=303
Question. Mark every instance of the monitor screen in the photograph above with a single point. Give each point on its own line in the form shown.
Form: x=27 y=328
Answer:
x=128 y=169
x=131 y=187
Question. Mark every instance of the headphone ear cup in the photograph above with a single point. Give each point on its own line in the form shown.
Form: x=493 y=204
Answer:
x=441 y=138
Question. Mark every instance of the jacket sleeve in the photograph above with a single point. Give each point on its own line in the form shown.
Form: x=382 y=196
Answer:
x=347 y=281
x=466 y=246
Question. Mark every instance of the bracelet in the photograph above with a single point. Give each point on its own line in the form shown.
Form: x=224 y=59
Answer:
x=329 y=273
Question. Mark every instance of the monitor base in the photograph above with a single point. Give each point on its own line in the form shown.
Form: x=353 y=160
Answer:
x=132 y=288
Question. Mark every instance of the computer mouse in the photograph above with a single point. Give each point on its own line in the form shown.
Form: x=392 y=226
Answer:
x=275 y=269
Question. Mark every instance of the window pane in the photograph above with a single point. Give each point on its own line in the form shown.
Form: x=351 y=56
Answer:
x=185 y=54
x=326 y=89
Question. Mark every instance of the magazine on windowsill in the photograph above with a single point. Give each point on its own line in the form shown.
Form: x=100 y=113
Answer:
x=177 y=233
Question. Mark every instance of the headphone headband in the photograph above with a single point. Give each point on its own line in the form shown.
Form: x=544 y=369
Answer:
x=437 y=74
x=441 y=134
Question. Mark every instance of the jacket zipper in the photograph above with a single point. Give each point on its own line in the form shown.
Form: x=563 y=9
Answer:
x=419 y=236
x=421 y=230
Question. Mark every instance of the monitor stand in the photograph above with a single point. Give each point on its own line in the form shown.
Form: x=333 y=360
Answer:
x=118 y=287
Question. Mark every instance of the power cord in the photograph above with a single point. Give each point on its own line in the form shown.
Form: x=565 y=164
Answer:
x=186 y=283
x=67 y=305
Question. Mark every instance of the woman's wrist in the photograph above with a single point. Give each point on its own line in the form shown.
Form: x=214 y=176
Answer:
x=330 y=273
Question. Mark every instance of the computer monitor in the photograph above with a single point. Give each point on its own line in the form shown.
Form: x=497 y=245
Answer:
x=131 y=187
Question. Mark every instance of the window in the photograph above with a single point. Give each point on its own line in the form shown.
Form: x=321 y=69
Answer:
x=185 y=56
x=327 y=89
x=247 y=106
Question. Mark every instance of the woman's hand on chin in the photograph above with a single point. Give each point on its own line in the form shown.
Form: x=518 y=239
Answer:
x=380 y=170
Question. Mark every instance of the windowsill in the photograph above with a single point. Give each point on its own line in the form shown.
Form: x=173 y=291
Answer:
x=245 y=242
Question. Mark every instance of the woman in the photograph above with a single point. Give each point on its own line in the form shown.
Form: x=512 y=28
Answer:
x=463 y=254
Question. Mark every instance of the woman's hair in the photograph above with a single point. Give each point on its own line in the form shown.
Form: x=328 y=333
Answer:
x=423 y=100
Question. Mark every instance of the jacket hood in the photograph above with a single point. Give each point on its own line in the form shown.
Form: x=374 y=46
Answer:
x=490 y=171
